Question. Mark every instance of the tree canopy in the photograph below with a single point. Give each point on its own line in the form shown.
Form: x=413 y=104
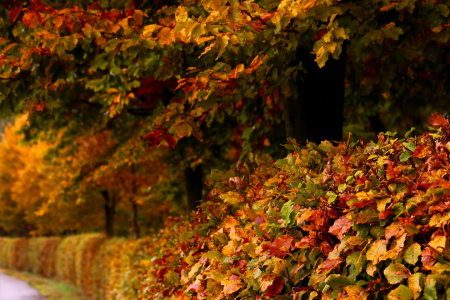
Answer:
x=209 y=83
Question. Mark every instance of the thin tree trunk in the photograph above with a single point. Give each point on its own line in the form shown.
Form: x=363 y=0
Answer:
x=110 y=211
x=136 y=231
x=193 y=178
x=317 y=113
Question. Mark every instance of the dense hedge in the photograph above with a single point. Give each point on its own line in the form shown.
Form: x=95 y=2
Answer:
x=346 y=221
x=88 y=261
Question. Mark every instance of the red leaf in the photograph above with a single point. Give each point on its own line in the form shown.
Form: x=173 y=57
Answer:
x=197 y=286
x=39 y=6
x=15 y=13
x=31 y=19
x=275 y=288
x=282 y=244
x=330 y=264
x=428 y=257
x=438 y=120
x=112 y=15
x=308 y=241
x=155 y=138
x=341 y=226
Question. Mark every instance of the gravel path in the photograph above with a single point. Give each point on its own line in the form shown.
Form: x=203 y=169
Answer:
x=15 y=289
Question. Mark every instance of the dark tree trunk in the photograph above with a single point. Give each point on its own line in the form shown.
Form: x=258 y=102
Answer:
x=317 y=113
x=136 y=231
x=376 y=124
x=193 y=178
x=110 y=212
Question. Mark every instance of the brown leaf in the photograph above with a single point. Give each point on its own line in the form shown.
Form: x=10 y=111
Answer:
x=428 y=257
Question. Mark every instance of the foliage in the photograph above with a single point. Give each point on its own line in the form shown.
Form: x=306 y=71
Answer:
x=182 y=69
x=330 y=222
x=44 y=193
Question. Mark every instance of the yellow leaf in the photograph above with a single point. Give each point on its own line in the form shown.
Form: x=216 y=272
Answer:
x=230 y=248
x=376 y=251
x=182 y=129
x=231 y=285
x=181 y=14
x=203 y=39
x=150 y=29
x=166 y=36
x=438 y=243
x=232 y=197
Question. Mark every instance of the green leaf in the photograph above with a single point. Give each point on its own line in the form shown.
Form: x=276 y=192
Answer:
x=286 y=212
x=429 y=292
x=396 y=272
x=405 y=156
x=412 y=254
x=214 y=255
x=407 y=134
x=410 y=146
x=331 y=197
x=338 y=281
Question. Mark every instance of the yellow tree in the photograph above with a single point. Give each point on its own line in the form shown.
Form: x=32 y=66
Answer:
x=28 y=190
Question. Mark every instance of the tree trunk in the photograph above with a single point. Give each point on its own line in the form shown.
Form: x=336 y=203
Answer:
x=193 y=178
x=110 y=211
x=317 y=113
x=136 y=232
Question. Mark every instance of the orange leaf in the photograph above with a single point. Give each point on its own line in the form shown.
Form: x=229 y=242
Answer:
x=31 y=19
x=422 y=151
x=437 y=119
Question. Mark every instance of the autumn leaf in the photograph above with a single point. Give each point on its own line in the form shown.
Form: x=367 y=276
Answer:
x=376 y=251
x=421 y=151
x=402 y=292
x=415 y=284
x=395 y=273
x=438 y=120
x=15 y=13
x=412 y=253
x=341 y=226
x=280 y=247
x=232 y=197
x=232 y=284
x=272 y=285
x=330 y=264
x=31 y=19
x=429 y=256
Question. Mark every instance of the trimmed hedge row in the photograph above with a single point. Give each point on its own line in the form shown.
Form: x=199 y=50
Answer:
x=98 y=266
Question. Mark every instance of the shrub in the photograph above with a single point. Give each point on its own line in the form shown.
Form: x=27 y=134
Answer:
x=332 y=222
